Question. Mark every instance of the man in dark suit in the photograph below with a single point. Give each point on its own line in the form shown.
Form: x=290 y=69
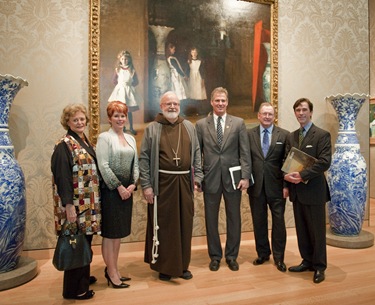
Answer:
x=308 y=190
x=223 y=145
x=267 y=147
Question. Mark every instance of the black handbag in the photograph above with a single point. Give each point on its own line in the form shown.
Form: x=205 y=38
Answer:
x=72 y=249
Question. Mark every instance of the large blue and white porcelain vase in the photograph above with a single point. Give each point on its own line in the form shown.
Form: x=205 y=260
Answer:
x=12 y=182
x=347 y=176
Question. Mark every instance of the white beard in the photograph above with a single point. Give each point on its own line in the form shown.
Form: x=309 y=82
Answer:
x=170 y=115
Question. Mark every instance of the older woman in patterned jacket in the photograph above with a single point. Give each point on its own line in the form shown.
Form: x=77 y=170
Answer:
x=76 y=192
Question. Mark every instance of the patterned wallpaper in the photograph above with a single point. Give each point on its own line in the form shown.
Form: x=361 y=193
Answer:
x=45 y=42
x=323 y=50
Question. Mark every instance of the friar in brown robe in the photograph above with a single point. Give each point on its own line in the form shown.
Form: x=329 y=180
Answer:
x=170 y=155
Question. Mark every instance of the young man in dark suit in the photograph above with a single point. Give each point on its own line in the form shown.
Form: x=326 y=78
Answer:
x=267 y=147
x=224 y=144
x=308 y=190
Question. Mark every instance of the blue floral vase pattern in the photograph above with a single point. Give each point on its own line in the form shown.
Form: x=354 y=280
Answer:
x=12 y=182
x=347 y=176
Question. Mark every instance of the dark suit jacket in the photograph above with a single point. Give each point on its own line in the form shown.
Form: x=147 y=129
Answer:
x=234 y=151
x=267 y=170
x=317 y=143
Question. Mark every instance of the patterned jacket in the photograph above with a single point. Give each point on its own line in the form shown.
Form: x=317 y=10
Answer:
x=75 y=180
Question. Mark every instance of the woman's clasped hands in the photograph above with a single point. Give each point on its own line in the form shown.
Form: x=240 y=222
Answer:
x=124 y=192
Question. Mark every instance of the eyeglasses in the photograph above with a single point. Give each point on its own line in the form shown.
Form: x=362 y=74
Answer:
x=172 y=104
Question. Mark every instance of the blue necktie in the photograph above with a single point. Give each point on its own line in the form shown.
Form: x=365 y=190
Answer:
x=266 y=142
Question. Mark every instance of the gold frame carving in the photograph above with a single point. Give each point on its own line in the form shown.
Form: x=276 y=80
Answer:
x=94 y=62
x=94 y=53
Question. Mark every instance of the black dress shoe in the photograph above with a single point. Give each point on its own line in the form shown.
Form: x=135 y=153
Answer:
x=88 y=295
x=214 y=265
x=164 y=277
x=232 y=264
x=92 y=280
x=300 y=268
x=280 y=266
x=186 y=275
x=260 y=260
x=319 y=276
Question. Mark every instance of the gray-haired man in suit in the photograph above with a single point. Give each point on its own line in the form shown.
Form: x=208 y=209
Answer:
x=223 y=146
x=267 y=146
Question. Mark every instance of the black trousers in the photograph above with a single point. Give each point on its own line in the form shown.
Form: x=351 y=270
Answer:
x=311 y=234
x=259 y=213
x=77 y=281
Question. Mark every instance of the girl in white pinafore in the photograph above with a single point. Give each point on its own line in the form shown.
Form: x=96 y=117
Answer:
x=197 y=87
x=126 y=79
x=178 y=76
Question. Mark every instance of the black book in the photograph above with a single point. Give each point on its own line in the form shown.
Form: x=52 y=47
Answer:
x=236 y=176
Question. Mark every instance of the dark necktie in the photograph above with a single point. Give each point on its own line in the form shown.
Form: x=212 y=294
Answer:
x=300 y=136
x=266 y=142
x=219 y=131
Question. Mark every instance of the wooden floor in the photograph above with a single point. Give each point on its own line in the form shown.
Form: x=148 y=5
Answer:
x=350 y=279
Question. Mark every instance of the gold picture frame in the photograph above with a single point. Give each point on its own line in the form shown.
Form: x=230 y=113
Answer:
x=95 y=71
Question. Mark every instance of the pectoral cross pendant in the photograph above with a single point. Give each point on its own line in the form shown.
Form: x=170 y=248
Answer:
x=176 y=159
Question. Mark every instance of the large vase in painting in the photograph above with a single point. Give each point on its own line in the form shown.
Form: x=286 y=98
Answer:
x=12 y=182
x=160 y=76
x=347 y=176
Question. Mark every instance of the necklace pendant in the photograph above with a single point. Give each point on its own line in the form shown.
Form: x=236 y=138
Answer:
x=176 y=159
